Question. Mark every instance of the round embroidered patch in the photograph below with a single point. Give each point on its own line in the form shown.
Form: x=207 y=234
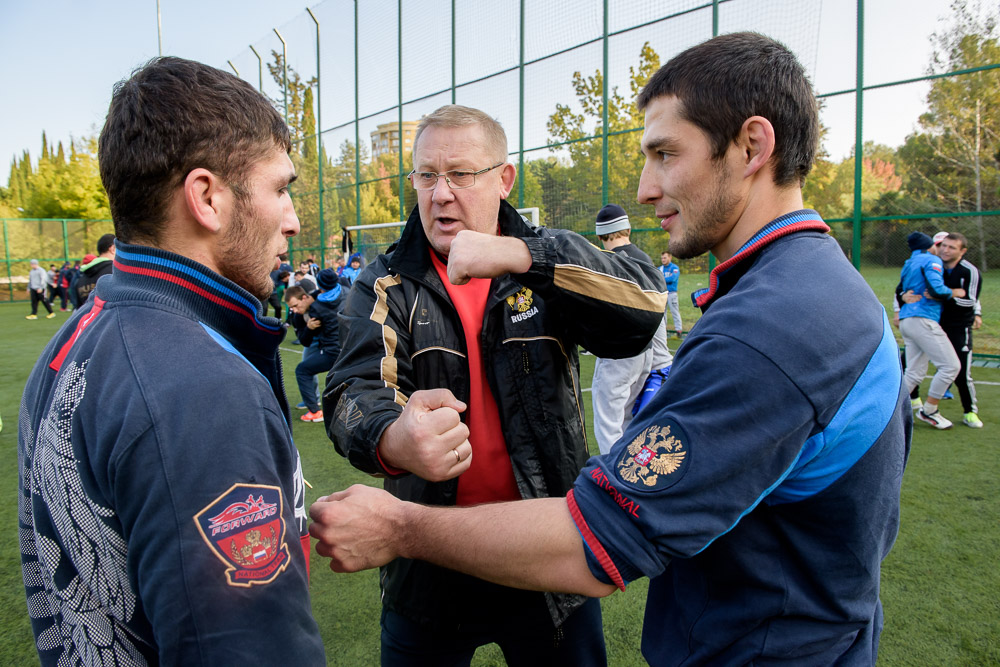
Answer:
x=657 y=458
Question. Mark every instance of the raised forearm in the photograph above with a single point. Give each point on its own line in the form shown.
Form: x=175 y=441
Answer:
x=531 y=544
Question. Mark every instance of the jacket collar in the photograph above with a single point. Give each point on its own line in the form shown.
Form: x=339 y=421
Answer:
x=725 y=275
x=151 y=274
x=411 y=254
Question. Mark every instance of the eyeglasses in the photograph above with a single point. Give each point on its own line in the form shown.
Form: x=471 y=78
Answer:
x=457 y=180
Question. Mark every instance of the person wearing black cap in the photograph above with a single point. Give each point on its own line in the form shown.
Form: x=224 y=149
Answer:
x=618 y=382
x=320 y=336
x=923 y=337
x=102 y=265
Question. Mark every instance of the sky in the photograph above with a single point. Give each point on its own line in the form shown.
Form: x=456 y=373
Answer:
x=62 y=57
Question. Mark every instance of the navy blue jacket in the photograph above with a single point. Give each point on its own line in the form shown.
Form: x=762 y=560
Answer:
x=759 y=489
x=161 y=497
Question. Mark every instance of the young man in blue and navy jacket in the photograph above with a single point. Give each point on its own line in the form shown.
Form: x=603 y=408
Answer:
x=924 y=339
x=161 y=499
x=759 y=488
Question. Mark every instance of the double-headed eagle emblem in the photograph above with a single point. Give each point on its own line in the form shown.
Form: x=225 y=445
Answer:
x=521 y=301
x=652 y=453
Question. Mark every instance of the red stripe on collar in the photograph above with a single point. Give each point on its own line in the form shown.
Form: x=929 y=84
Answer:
x=713 y=278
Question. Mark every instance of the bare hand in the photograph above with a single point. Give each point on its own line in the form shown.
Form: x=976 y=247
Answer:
x=429 y=439
x=977 y=323
x=478 y=255
x=314 y=323
x=909 y=296
x=895 y=320
x=356 y=528
x=957 y=293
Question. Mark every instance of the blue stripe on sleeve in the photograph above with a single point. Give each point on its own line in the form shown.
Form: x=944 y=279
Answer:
x=859 y=422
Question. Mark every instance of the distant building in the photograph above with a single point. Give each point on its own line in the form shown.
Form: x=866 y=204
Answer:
x=385 y=138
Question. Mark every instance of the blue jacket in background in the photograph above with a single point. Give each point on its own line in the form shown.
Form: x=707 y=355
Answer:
x=924 y=272
x=671 y=273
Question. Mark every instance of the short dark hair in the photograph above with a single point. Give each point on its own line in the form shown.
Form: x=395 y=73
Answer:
x=295 y=291
x=105 y=243
x=170 y=117
x=722 y=82
x=958 y=236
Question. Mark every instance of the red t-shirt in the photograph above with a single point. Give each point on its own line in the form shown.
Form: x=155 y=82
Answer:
x=490 y=478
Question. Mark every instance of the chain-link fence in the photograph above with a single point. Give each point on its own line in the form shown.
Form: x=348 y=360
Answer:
x=561 y=77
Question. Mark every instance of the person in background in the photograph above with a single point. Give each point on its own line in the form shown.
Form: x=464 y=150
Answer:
x=671 y=274
x=919 y=324
x=37 y=282
x=319 y=336
x=90 y=273
x=617 y=383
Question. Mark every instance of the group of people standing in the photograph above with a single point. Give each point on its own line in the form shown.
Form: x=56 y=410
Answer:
x=150 y=535
x=70 y=283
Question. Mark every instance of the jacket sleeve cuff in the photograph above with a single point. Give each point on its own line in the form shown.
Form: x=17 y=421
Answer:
x=543 y=259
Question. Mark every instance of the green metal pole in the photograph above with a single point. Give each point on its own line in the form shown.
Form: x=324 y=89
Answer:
x=399 y=80
x=6 y=254
x=319 y=147
x=284 y=63
x=520 y=122
x=260 y=70
x=859 y=97
x=452 y=51
x=604 y=113
x=234 y=67
x=65 y=243
x=357 y=129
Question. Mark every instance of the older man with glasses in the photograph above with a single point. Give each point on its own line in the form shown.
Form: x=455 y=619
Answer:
x=458 y=381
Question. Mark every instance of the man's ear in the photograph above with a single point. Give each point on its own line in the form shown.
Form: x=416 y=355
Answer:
x=508 y=174
x=207 y=198
x=756 y=141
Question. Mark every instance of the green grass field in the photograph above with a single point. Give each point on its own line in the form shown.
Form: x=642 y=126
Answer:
x=939 y=586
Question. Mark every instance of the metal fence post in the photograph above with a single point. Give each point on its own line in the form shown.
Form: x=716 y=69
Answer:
x=399 y=70
x=520 y=122
x=319 y=148
x=357 y=124
x=604 y=111
x=6 y=254
x=260 y=70
x=858 y=136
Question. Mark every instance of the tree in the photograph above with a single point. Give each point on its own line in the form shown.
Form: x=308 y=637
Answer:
x=569 y=187
x=951 y=161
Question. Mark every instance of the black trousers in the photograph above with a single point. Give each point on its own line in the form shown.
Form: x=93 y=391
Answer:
x=36 y=298
x=961 y=340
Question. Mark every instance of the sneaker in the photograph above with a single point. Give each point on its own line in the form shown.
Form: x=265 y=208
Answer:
x=301 y=406
x=318 y=416
x=916 y=403
x=50 y=315
x=971 y=419
x=948 y=395
x=936 y=419
x=31 y=317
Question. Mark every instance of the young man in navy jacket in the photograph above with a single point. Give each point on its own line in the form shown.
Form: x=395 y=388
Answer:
x=758 y=489
x=161 y=505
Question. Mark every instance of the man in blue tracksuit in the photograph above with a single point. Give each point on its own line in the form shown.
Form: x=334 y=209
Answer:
x=925 y=340
x=161 y=499
x=671 y=274
x=759 y=488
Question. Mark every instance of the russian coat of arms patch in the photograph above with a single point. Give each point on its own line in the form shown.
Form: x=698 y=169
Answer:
x=655 y=459
x=245 y=530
